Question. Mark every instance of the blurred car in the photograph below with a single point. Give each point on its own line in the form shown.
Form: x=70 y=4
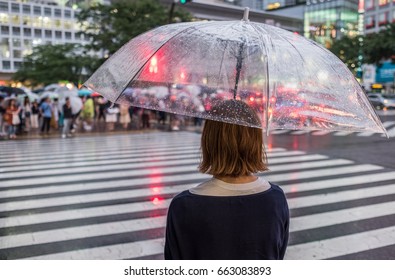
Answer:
x=382 y=101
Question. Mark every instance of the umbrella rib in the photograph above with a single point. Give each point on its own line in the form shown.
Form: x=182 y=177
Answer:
x=267 y=79
x=222 y=60
x=145 y=63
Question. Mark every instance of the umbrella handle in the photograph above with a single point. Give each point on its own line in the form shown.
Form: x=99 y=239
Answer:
x=246 y=13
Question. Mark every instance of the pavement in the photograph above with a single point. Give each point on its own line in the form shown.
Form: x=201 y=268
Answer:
x=106 y=196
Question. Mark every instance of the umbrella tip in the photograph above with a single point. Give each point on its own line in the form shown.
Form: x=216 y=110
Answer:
x=246 y=13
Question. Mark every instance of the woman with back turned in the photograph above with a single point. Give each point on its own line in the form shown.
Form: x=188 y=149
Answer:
x=235 y=214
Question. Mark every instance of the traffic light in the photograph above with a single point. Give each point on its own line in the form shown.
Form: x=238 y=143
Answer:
x=184 y=1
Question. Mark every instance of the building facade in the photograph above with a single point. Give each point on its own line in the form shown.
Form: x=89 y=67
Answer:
x=328 y=20
x=25 y=24
x=378 y=13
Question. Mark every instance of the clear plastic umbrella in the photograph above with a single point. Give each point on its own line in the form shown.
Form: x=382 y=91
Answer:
x=291 y=82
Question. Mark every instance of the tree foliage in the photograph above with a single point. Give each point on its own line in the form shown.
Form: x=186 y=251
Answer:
x=374 y=48
x=111 y=26
x=50 y=63
x=348 y=49
x=380 y=46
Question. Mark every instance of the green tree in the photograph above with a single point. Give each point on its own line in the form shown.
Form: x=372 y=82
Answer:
x=348 y=50
x=380 y=46
x=50 y=63
x=111 y=26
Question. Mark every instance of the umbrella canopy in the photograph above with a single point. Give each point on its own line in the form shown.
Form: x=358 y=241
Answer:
x=75 y=102
x=7 y=101
x=84 y=92
x=32 y=97
x=291 y=82
x=50 y=94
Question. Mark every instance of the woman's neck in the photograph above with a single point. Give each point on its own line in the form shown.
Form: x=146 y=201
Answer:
x=237 y=180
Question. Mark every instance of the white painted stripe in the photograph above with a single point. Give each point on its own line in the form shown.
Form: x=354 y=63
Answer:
x=72 y=170
x=343 y=133
x=180 y=162
x=338 y=246
x=326 y=198
x=96 y=153
x=366 y=134
x=112 y=252
x=73 y=214
x=88 y=159
x=145 y=159
x=295 y=159
x=322 y=132
x=48 y=236
x=340 y=182
x=342 y=216
x=279 y=131
x=322 y=172
x=299 y=132
x=158 y=175
x=293 y=203
x=88 y=198
x=112 y=175
x=73 y=199
x=88 y=147
x=391 y=132
x=69 y=155
x=158 y=159
x=150 y=182
x=314 y=164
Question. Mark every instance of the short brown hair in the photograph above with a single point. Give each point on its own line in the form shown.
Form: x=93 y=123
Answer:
x=229 y=149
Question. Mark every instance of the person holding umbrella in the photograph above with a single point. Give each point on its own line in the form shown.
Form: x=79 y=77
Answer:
x=12 y=117
x=234 y=215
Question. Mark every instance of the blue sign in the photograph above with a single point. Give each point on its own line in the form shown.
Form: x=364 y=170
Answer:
x=385 y=74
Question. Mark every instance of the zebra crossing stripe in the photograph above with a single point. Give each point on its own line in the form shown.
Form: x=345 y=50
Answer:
x=184 y=162
x=119 y=251
x=85 y=231
x=341 y=216
x=338 y=246
x=343 y=133
x=339 y=182
x=326 y=198
x=149 y=159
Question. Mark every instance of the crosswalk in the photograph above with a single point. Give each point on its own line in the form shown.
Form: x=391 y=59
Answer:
x=107 y=197
x=389 y=126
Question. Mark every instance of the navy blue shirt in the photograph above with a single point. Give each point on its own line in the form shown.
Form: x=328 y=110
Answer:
x=248 y=227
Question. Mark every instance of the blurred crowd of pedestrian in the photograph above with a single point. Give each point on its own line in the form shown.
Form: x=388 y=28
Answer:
x=19 y=117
